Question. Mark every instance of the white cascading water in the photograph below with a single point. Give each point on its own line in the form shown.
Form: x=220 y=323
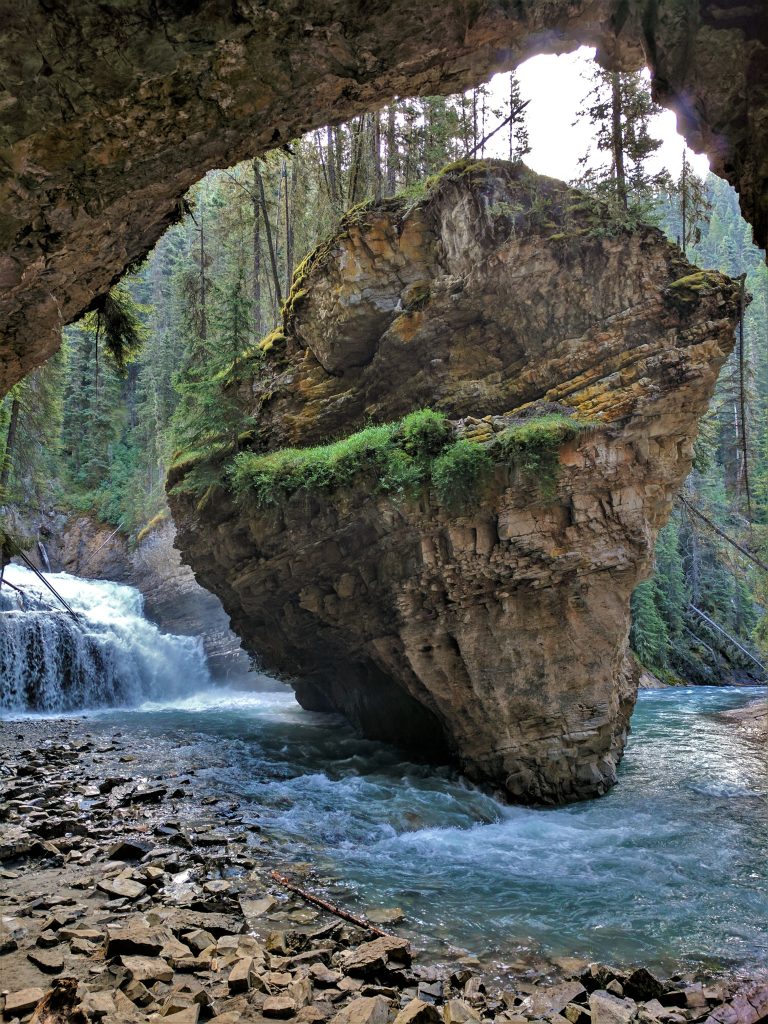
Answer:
x=110 y=655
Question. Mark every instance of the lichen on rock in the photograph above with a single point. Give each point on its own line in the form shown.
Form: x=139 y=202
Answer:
x=565 y=380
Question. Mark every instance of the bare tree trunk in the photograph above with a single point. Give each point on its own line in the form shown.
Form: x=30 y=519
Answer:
x=617 y=139
x=203 y=314
x=376 y=156
x=133 y=377
x=391 y=150
x=268 y=230
x=256 y=285
x=743 y=399
x=288 y=228
x=357 y=157
x=323 y=166
x=333 y=184
x=339 y=155
x=290 y=225
x=684 y=198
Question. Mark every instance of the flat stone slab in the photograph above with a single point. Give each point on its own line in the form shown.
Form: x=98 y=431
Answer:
x=134 y=940
x=419 y=1012
x=365 y=1010
x=21 y=1002
x=371 y=957
x=280 y=1007
x=46 y=960
x=121 y=888
x=552 y=999
x=609 y=1009
x=147 y=969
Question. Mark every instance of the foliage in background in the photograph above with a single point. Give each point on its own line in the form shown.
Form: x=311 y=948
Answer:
x=696 y=570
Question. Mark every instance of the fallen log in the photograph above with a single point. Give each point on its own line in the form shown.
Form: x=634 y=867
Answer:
x=318 y=901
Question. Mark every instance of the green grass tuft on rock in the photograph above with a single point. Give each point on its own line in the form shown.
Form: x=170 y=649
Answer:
x=458 y=474
x=402 y=458
x=534 y=444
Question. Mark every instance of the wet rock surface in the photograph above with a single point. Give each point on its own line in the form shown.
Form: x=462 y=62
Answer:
x=494 y=634
x=120 y=911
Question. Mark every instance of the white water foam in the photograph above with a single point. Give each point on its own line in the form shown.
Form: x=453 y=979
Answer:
x=109 y=655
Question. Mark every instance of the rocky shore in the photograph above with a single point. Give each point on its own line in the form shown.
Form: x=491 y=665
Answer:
x=751 y=722
x=127 y=897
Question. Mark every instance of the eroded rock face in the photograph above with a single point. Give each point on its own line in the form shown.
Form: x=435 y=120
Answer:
x=110 y=112
x=498 y=634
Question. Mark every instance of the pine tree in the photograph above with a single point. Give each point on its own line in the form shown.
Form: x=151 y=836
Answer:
x=619 y=108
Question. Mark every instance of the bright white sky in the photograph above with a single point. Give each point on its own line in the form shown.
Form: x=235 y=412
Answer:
x=556 y=89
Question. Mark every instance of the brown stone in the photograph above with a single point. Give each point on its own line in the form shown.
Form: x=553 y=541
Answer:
x=494 y=632
x=147 y=969
x=239 y=979
x=371 y=957
x=19 y=1003
x=134 y=939
x=189 y=1015
x=609 y=1009
x=46 y=960
x=279 y=1007
x=551 y=999
x=456 y=1011
x=122 y=888
x=418 y=1012
x=364 y=1010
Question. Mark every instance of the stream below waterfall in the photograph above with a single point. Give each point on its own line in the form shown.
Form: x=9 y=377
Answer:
x=670 y=868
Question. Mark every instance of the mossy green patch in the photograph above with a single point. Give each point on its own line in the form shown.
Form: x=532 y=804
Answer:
x=397 y=454
x=274 y=340
x=533 y=445
x=403 y=457
x=152 y=525
x=459 y=473
x=692 y=283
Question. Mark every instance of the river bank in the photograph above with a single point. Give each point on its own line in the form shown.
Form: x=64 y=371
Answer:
x=157 y=899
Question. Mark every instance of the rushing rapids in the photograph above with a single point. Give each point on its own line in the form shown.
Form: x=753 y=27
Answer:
x=108 y=655
x=668 y=870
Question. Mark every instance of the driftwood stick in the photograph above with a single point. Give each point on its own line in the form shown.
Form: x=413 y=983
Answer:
x=318 y=901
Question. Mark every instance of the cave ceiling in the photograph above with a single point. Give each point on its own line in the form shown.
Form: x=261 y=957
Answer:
x=110 y=112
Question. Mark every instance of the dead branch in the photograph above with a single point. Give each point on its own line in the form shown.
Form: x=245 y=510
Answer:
x=318 y=901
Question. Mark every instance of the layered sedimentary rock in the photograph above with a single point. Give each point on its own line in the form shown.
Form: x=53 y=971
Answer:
x=109 y=112
x=495 y=633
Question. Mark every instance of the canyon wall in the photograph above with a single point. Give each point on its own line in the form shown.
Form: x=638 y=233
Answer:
x=110 y=112
x=571 y=358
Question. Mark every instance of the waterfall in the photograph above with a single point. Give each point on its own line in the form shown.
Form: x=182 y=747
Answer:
x=109 y=656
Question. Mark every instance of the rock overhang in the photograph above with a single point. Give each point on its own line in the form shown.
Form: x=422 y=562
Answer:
x=110 y=112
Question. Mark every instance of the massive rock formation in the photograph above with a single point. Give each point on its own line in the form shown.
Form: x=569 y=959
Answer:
x=495 y=632
x=109 y=112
